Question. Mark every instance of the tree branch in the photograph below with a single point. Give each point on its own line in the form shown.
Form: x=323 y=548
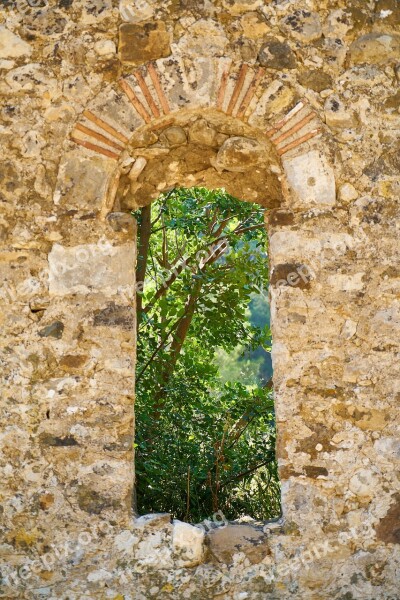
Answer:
x=143 y=253
x=248 y=472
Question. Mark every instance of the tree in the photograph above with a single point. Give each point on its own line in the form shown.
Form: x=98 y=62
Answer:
x=203 y=444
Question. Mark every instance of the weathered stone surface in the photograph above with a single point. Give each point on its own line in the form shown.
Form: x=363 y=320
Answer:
x=12 y=46
x=388 y=528
x=188 y=544
x=315 y=79
x=122 y=223
x=336 y=115
x=54 y=330
x=105 y=48
x=91 y=267
x=201 y=132
x=375 y=48
x=237 y=154
x=48 y=439
x=133 y=11
x=137 y=167
x=276 y=55
x=347 y=192
x=241 y=6
x=91 y=501
x=226 y=542
x=363 y=483
x=311 y=177
x=82 y=181
x=293 y=274
x=115 y=316
x=152 y=520
x=314 y=472
x=141 y=43
x=303 y=25
x=174 y=136
x=193 y=43
x=73 y=361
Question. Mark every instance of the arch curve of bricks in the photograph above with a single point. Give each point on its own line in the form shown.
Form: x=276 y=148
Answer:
x=236 y=90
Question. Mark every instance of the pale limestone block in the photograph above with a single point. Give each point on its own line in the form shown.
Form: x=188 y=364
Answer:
x=83 y=180
x=188 y=83
x=347 y=283
x=90 y=268
x=152 y=521
x=286 y=246
x=105 y=48
x=11 y=46
x=192 y=43
x=137 y=168
x=241 y=6
x=311 y=178
x=100 y=575
x=125 y=541
x=349 y=329
x=187 y=543
x=32 y=78
x=173 y=80
x=347 y=192
x=388 y=447
x=259 y=115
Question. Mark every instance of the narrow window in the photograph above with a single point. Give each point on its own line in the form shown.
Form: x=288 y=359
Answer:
x=205 y=424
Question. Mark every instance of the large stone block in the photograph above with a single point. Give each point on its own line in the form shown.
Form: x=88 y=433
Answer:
x=83 y=181
x=376 y=48
x=11 y=46
x=238 y=154
x=91 y=267
x=144 y=42
x=311 y=178
x=188 y=544
x=226 y=542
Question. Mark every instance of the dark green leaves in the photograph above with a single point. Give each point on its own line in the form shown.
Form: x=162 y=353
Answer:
x=204 y=442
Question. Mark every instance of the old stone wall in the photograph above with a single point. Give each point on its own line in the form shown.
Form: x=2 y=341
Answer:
x=290 y=103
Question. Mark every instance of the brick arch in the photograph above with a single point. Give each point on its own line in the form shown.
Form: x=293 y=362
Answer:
x=157 y=90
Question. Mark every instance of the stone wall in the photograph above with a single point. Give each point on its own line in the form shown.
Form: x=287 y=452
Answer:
x=293 y=104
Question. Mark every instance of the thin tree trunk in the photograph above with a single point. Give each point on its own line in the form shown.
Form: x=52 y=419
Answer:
x=179 y=337
x=143 y=253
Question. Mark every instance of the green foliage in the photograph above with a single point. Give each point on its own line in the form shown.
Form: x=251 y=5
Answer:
x=205 y=441
x=236 y=366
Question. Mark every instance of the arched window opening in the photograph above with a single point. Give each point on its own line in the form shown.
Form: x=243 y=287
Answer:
x=205 y=422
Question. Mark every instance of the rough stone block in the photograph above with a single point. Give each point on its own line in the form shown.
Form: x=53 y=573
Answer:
x=144 y=42
x=187 y=543
x=83 y=181
x=311 y=178
x=303 y=25
x=153 y=521
x=238 y=154
x=91 y=267
x=375 y=48
x=225 y=542
x=276 y=55
x=11 y=46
